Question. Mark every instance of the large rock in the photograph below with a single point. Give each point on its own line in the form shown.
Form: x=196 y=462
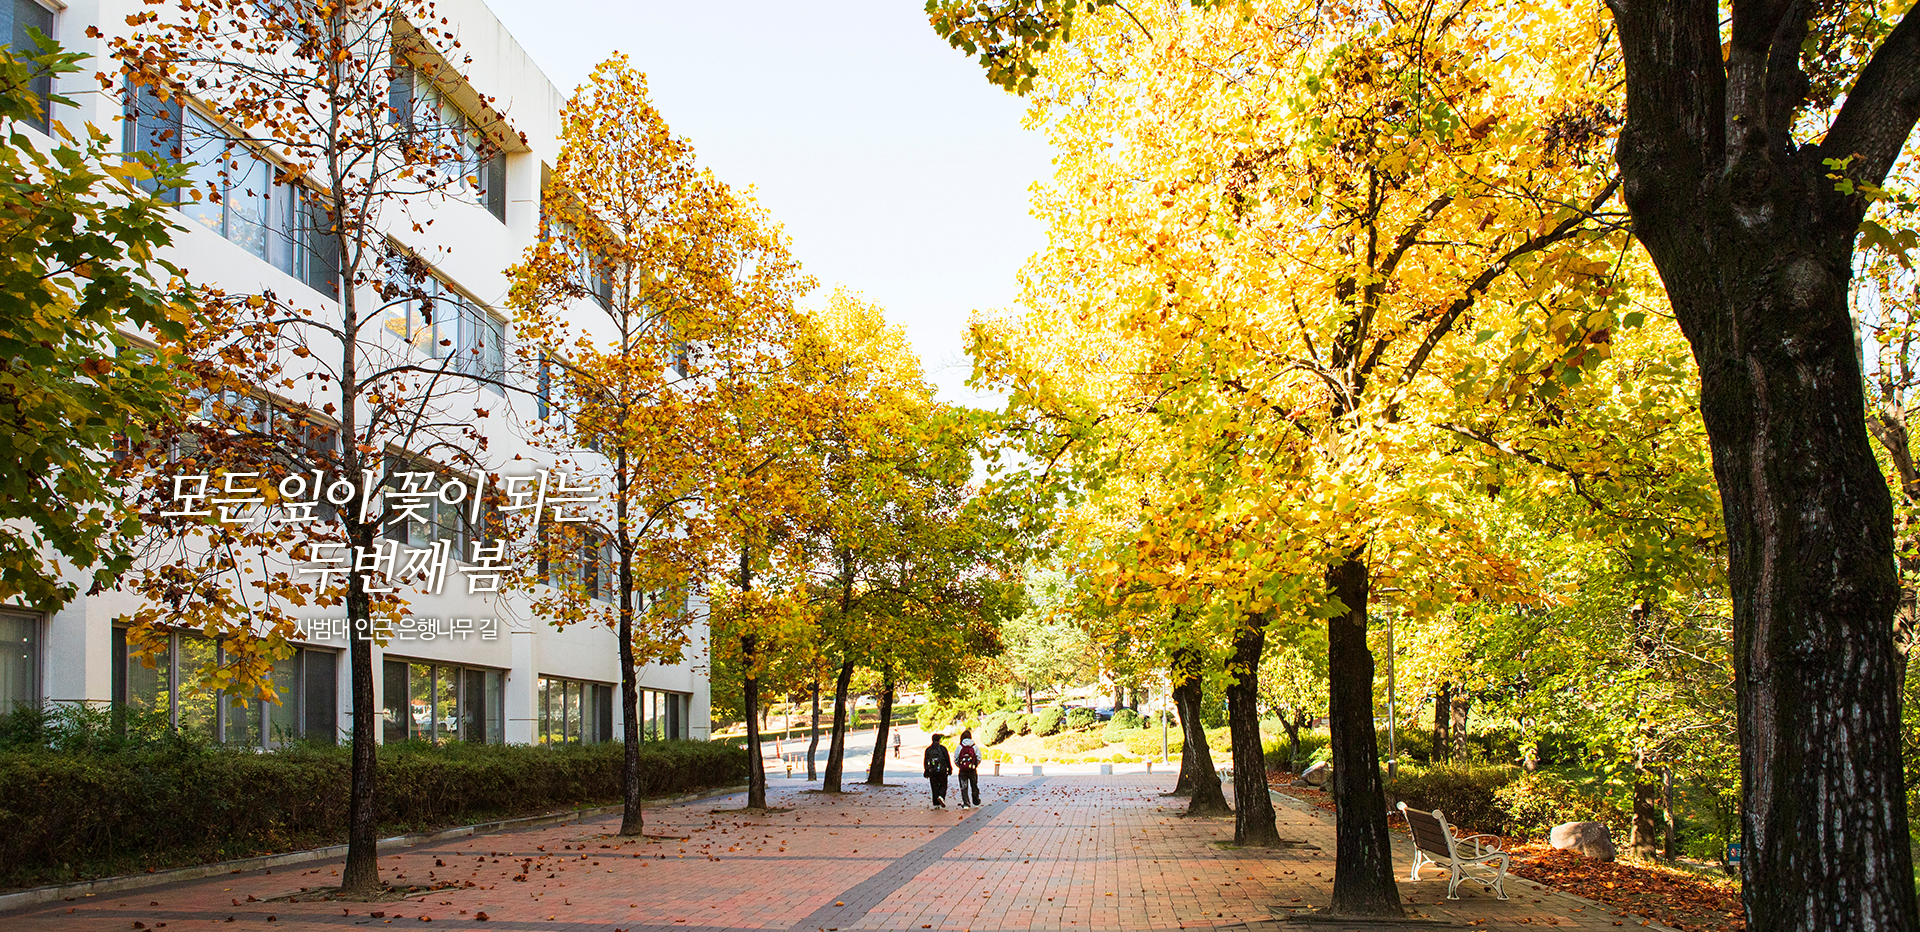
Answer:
x=1316 y=775
x=1589 y=838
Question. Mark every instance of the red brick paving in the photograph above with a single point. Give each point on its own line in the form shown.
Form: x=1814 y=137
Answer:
x=1070 y=852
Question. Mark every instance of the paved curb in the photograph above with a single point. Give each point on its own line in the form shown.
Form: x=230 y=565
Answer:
x=38 y=895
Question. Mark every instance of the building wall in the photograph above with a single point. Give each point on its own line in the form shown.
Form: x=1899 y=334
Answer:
x=471 y=249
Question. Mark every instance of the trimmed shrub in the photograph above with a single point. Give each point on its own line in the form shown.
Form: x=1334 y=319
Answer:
x=1048 y=721
x=1536 y=802
x=1075 y=742
x=1126 y=718
x=1022 y=723
x=1116 y=732
x=1081 y=718
x=995 y=731
x=935 y=716
x=1466 y=794
x=65 y=815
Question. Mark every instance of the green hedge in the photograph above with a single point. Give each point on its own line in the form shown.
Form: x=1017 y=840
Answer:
x=1048 y=721
x=995 y=731
x=68 y=815
x=1081 y=718
x=1503 y=800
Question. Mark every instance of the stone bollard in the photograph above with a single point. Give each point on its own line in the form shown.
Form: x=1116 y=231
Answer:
x=996 y=768
x=1106 y=770
x=1036 y=770
x=1149 y=766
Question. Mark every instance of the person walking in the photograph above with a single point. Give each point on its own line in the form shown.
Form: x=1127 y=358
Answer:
x=896 y=744
x=967 y=761
x=938 y=765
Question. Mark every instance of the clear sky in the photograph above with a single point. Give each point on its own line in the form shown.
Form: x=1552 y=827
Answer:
x=897 y=169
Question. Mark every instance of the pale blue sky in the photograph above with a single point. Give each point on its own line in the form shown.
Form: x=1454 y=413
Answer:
x=896 y=168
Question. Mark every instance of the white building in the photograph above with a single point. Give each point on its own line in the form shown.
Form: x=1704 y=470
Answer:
x=518 y=680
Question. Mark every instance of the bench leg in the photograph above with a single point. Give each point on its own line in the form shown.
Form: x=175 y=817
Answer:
x=1453 y=882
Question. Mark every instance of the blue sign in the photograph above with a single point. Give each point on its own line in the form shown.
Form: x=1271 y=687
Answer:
x=1733 y=853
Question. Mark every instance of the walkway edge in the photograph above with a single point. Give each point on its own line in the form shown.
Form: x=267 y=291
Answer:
x=37 y=895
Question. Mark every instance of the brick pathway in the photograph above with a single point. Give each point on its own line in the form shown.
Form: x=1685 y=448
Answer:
x=1069 y=852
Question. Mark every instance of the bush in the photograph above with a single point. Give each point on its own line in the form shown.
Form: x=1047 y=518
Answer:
x=1048 y=721
x=1467 y=795
x=1081 y=718
x=1536 y=802
x=1126 y=718
x=64 y=815
x=935 y=715
x=1313 y=748
x=1117 y=731
x=1076 y=742
x=995 y=731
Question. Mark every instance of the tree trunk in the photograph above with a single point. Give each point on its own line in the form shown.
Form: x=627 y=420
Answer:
x=813 y=734
x=1363 y=859
x=1442 y=721
x=837 y=745
x=632 y=820
x=1029 y=697
x=1253 y=822
x=1754 y=240
x=1196 y=759
x=1292 y=724
x=1646 y=807
x=1462 y=701
x=360 y=876
x=877 y=768
x=750 y=698
x=1668 y=817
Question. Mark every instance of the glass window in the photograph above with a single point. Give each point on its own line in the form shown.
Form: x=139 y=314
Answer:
x=446 y=707
x=475 y=166
x=19 y=661
x=393 y=710
x=420 y=701
x=573 y=711
x=320 y=695
x=16 y=18
x=196 y=707
x=496 y=708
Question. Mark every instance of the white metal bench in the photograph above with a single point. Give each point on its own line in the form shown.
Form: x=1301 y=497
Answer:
x=1433 y=838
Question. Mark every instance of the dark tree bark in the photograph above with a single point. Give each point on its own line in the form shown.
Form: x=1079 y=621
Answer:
x=813 y=734
x=837 y=743
x=877 y=768
x=360 y=875
x=1462 y=703
x=1253 y=821
x=1755 y=245
x=1293 y=723
x=1196 y=759
x=1442 y=725
x=750 y=700
x=632 y=816
x=1363 y=883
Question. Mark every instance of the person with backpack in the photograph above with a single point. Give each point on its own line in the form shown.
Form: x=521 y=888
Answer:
x=968 y=762
x=938 y=765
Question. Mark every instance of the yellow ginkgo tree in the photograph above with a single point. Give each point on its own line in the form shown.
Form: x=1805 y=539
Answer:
x=1270 y=228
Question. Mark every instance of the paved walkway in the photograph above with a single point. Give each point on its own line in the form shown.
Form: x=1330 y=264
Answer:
x=1057 y=852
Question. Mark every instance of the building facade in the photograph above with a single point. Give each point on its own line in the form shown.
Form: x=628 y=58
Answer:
x=473 y=666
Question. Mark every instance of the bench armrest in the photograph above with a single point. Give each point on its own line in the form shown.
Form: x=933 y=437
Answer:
x=1478 y=848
